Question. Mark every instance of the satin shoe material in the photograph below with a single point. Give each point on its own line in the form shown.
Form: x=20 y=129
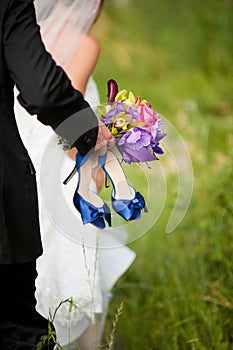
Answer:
x=91 y=214
x=129 y=209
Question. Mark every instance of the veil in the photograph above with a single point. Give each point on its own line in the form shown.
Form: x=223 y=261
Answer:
x=63 y=25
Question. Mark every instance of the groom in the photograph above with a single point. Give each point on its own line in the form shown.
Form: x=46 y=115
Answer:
x=46 y=91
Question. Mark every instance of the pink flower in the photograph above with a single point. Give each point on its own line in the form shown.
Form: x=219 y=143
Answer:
x=146 y=115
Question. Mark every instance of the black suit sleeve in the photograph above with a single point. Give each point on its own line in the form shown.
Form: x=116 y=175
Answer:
x=44 y=88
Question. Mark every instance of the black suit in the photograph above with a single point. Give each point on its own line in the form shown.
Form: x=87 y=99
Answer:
x=46 y=91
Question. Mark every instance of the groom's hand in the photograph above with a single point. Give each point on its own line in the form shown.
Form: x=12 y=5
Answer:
x=105 y=140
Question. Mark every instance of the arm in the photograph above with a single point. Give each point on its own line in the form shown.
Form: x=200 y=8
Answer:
x=87 y=56
x=83 y=63
x=44 y=88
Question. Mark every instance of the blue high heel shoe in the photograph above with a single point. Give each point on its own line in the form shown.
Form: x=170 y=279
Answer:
x=92 y=208
x=125 y=201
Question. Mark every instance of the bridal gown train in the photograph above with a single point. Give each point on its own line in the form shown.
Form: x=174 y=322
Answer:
x=68 y=268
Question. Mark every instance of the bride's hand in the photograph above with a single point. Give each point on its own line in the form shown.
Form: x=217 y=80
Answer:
x=105 y=140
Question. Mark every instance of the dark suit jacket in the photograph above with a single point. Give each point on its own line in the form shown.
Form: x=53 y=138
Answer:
x=46 y=91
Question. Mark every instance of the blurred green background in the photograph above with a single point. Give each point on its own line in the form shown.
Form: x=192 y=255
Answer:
x=178 y=55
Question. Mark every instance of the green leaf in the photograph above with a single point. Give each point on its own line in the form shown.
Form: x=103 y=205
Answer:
x=102 y=110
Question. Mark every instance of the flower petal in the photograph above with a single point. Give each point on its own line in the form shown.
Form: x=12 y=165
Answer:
x=121 y=95
x=112 y=90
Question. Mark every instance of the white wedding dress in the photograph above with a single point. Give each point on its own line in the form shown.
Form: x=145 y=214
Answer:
x=70 y=267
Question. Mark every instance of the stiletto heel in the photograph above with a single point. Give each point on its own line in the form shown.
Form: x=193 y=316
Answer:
x=106 y=181
x=92 y=208
x=73 y=172
x=125 y=201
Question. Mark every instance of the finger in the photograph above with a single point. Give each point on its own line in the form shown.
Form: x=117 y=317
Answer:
x=101 y=147
x=102 y=151
x=111 y=143
x=109 y=135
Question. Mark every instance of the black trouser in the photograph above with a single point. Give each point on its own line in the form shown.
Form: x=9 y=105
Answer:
x=20 y=325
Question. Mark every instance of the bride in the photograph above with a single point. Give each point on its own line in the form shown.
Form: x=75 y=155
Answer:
x=70 y=269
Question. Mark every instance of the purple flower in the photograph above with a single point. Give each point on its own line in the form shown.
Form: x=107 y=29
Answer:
x=156 y=135
x=112 y=114
x=156 y=128
x=133 y=112
x=134 y=156
x=155 y=146
x=135 y=139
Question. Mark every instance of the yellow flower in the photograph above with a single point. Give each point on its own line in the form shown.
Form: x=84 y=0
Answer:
x=131 y=97
x=122 y=95
x=114 y=131
x=120 y=124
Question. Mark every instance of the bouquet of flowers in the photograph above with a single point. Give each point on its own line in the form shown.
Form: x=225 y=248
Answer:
x=133 y=122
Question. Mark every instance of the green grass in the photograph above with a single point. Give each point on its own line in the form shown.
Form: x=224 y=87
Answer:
x=178 y=55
